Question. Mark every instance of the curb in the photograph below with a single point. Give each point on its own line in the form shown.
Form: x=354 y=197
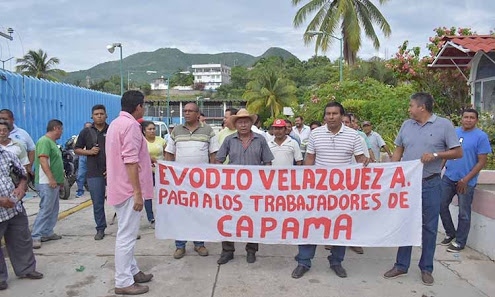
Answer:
x=76 y=208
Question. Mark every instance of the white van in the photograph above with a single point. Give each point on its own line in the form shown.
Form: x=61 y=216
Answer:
x=161 y=129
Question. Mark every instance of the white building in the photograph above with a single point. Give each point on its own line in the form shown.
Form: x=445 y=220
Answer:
x=211 y=75
x=159 y=84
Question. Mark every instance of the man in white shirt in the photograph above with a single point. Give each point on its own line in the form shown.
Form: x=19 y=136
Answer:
x=285 y=149
x=19 y=135
x=302 y=131
x=12 y=146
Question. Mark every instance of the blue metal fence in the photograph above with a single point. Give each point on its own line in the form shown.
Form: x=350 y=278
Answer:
x=36 y=101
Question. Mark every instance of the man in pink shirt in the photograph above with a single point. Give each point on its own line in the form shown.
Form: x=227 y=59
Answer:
x=129 y=182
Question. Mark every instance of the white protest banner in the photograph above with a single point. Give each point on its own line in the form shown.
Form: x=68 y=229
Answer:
x=377 y=205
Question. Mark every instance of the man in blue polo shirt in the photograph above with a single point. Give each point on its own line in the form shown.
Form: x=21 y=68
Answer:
x=460 y=179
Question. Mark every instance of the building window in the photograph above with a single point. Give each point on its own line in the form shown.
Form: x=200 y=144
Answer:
x=486 y=68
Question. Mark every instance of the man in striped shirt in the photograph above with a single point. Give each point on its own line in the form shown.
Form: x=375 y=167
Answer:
x=328 y=145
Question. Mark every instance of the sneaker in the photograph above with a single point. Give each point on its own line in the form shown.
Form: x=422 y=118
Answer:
x=394 y=272
x=427 y=278
x=454 y=247
x=54 y=236
x=447 y=240
x=179 y=253
x=79 y=194
x=201 y=250
x=36 y=243
x=99 y=235
x=152 y=224
x=3 y=285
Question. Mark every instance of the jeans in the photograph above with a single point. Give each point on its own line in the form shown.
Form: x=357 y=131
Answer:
x=449 y=189
x=307 y=252
x=97 y=190
x=48 y=213
x=148 y=206
x=181 y=244
x=81 y=173
x=431 y=196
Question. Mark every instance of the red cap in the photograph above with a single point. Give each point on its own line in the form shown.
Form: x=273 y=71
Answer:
x=278 y=123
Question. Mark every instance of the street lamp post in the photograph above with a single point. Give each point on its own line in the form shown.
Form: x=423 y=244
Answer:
x=341 y=39
x=3 y=62
x=111 y=49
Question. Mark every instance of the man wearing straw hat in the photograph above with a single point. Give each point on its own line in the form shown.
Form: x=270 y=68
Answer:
x=243 y=148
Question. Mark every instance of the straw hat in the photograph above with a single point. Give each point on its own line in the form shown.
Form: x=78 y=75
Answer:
x=242 y=113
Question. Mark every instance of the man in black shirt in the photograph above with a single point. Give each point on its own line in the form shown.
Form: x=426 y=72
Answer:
x=91 y=143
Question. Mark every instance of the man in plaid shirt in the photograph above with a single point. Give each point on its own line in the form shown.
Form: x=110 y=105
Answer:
x=13 y=220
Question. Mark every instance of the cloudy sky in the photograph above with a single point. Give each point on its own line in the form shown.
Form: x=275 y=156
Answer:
x=78 y=31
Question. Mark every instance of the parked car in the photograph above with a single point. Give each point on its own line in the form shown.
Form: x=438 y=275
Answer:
x=161 y=129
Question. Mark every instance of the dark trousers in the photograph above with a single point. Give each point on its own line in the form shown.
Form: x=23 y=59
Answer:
x=228 y=247
x=19 y=246
x=97 y=190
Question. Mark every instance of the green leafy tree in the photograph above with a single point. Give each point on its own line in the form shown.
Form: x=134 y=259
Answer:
x=448 y=86
x=146 y=89
x=351 y=15
x=269 y=91
x=37 y=64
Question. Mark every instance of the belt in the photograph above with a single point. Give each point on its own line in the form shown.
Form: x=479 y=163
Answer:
x=431 y=176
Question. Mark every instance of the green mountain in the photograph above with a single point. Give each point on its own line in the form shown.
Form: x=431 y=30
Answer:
x=166 y=61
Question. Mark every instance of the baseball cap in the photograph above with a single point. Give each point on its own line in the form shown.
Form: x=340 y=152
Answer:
x=278 y=123
x=366 y=123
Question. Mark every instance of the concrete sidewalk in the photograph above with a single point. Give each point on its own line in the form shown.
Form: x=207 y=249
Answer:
x=465 y=274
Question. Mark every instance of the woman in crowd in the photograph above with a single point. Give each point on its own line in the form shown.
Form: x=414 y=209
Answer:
x=156 y=147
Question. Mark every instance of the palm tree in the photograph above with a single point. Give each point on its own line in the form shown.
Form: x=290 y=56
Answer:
x=270 y=91
x=351 y=15
x=38 y=64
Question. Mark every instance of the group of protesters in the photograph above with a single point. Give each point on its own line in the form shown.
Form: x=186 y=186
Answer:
x=121 y=158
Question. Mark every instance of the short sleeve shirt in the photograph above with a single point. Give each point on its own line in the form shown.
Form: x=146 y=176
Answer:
x=474 y=143
x=436 y=135
x=47 y=148
x=156 y=147
x=192 y=147
x=18 y=149
x=286 y=153
x=92 y=137
x=334 y=149
x=256 y=153
x=20 y=135
x=376 y=142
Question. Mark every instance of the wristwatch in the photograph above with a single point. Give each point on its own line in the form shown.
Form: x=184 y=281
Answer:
x=435 y=155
